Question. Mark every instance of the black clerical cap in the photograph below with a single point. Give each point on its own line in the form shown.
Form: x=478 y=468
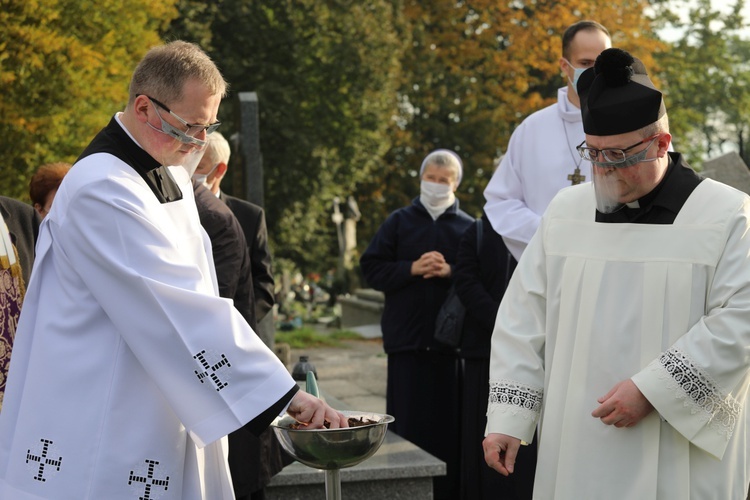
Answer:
x=617 y=95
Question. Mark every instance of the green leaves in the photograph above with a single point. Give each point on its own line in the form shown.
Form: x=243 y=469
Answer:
x=64 y=71
x=325 y=74
x=707 y=82
x=475 y=70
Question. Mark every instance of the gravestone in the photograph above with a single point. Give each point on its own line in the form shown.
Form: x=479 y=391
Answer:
x=364 y=307
x=345 y=216
x=729 y=169
x=249 y=147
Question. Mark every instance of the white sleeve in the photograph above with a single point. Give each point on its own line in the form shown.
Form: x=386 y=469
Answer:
x=506 y=206
x=517 y=349
x=700 y=384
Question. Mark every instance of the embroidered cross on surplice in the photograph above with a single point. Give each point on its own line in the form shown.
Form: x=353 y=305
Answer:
x=44 y=460
x=149 y=481
x=210 y=370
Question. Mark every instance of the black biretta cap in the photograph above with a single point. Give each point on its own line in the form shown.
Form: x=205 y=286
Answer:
x=617 y=95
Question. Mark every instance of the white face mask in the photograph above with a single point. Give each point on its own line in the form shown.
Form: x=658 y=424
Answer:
x=436 y=197
x=203 y=178
x=436 y=193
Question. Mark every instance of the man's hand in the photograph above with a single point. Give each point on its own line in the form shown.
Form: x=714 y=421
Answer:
x=431 y=265
x=500 y=451
x=314 y=412
x=623 y=406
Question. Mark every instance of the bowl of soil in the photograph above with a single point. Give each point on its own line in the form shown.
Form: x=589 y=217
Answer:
x=330 y=449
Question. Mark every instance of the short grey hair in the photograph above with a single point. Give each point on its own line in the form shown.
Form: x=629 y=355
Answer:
x=660 y=126
x=164 y=70
x=444 y=158
x=217 y=150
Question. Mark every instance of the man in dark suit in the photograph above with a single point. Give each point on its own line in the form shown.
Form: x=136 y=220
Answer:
x=252 y=461
x=211 y=171
x=253 y=221
x=230 y=253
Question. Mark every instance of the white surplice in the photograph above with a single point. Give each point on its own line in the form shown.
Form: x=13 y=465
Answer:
x=541 y=155
x=127 y=368
x=668 y=306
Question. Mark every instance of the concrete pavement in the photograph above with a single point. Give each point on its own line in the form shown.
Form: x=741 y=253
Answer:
x=353 y=374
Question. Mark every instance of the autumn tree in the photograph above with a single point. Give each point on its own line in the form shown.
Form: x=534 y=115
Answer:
x=707 y=81
x=345 y=109
x=474 y=70
x=64 y=71
x=325 y=75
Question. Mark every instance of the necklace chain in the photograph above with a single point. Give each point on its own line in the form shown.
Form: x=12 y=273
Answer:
x=571 y=148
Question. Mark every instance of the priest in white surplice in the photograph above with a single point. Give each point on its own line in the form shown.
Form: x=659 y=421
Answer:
x=128 y=370
x=624 y=331
x=541 y=157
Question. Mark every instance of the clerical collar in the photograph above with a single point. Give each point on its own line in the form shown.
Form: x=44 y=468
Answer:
x=679 y=181
x=115 y=140
x=664 y=202
x=649 y=198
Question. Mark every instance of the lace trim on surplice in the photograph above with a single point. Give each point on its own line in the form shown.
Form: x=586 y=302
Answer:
x=519 y=399
x=699 y=392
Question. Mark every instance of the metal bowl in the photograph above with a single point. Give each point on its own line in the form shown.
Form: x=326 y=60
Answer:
x=329 y=449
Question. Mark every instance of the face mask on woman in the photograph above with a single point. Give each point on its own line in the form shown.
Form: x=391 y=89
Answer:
x=436 y=197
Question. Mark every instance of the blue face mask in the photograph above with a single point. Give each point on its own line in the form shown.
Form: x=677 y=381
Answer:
x=577 y=72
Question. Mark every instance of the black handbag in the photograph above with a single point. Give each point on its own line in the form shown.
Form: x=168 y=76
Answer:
x=450 y=320
x=449 y=323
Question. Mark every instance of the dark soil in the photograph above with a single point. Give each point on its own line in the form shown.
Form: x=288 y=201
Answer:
x=353 y=422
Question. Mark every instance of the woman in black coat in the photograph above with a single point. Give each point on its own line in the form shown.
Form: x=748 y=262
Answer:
x=483 y=267
x=411 y=260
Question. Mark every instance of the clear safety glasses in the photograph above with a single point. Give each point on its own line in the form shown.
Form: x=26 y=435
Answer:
x=616 y=157
x=191 y=130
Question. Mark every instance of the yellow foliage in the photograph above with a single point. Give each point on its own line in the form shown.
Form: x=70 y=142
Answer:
x=507 y=53
x=65 y=66
x=477 y=69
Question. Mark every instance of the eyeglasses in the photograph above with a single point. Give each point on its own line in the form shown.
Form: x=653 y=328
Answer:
x=188 y=136
x=615 y=157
